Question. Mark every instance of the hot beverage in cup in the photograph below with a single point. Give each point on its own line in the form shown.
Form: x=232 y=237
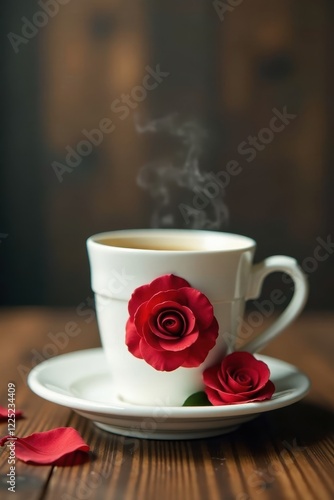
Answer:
x=169 y=304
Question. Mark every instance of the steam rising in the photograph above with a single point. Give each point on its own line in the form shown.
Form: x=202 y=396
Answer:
x=183 y=194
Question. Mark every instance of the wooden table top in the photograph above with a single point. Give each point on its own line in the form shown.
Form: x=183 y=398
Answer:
x=284 y=454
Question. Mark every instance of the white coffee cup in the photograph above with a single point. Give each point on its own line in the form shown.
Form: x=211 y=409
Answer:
x=219 y=265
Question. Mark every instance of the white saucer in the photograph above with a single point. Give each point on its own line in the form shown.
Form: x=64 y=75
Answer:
x=81 y=381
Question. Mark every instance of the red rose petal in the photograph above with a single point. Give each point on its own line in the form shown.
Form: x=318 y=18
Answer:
x=180 y=344
x=237 y=359
x=175 y=310
x=251 y=397
x=197 y=301
x=141 y=317
x=245 y=359
x=159 y=298
x=172 y=324
x=265 y=392
x=4 y=413
x=132 y=339
x=210 y=377
x=46 y=447
x=263 y=371
x=250 y=382
x=161 y=360
x=168 y=282
x=151 y=339
x=222 y=377
x=213 y=397
x=155 y=334
x=226 y=398
x=198 y=352
x=145 y=292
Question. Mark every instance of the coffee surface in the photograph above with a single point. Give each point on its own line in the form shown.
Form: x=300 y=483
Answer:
x=152 y=245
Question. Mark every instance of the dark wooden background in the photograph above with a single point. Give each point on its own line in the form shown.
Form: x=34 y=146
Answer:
x=226 y=74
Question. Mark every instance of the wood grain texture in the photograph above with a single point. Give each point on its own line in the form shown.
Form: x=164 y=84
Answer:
x=288 y=453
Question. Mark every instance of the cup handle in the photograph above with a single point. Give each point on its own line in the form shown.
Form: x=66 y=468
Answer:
x=277 y=263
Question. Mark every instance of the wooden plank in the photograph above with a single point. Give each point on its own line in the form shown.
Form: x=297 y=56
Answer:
x=287 y=453
x=24 y=342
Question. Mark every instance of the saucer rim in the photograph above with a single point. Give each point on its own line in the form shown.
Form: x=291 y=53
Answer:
x=74 y=402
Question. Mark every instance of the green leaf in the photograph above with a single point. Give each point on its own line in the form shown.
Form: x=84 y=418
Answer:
x=197 y=399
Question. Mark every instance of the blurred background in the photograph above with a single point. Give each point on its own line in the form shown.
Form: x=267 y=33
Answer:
x=125 y=114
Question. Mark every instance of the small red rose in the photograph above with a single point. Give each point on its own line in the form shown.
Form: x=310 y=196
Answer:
x=171 y=324
x=239 y=378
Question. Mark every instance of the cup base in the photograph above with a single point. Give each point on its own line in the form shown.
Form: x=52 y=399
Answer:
x=168 y=434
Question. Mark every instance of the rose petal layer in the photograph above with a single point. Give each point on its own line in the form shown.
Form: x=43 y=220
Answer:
x=46 y=447
x=145 y=292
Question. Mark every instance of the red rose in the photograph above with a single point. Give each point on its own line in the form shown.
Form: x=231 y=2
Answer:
x=239 y=378
x=171 y=324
